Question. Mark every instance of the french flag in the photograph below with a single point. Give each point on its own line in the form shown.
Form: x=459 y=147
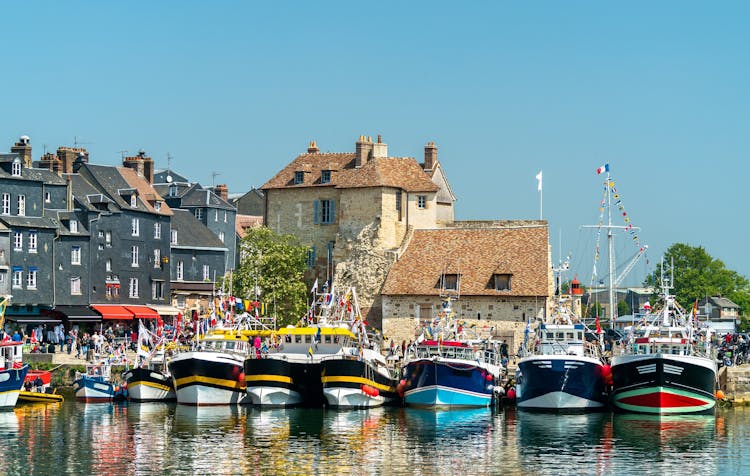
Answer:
x=603 y=168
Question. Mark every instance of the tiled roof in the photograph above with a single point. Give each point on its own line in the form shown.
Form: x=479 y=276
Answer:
x=28 y=222
x=404 y=173
x=723 y=302
x=475 y=254
x=191 y=232
x=244 y=222
x=146 y=192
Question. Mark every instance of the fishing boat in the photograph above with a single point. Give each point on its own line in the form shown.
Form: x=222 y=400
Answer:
x=559 y=369
x=12 y=369
x=290 y=371
x=150 y=381
x=359 y=375
x=37 y=388
x=665 y=368
x=95 y=385
x=450 y=371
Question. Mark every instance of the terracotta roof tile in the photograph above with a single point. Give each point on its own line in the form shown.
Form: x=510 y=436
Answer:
x=475 y=254
x=145 y=190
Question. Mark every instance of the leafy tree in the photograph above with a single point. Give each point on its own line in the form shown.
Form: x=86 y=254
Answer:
x=697 y=275
x=595 y=309
x=623 y=309
x=271 y=267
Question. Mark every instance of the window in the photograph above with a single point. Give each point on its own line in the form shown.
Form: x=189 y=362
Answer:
x=501 y=282
x=18 y=241
x=173 y=237
x=181 y=301
x=157 y=290
x=32 y=241
x=22 y=205
x=221 y=236
x=398 y=204
x=216 y=215
x=157 y=205
x=17 y=279
x=311 y=257
x=225 y=217
x=75 y=285
x=133 y=290
x=2 y=277
x=31 y=279
x=135 y=227
x=133 y=201
x=325 y=176
x=157 y=231
x=299 y=177
x=108 y=238
x=422 y=201
x=206 y=273
x=173 y=190
x=134 y=256
x=101 y=234
x=47 y=197
x=180 y=270
x=450 y=281
x=157 y=257
x=6 y=204
x=73 y=226
x=16 y=168
x=75 y=255
x=108 y=265
x=199 y=213
x=324 y=212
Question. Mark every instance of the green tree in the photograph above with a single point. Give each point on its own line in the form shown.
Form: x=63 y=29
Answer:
x=697 y=275
x=271 y=267
x=623 y=309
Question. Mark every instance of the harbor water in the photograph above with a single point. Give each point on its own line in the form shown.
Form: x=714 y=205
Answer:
x=144 y=439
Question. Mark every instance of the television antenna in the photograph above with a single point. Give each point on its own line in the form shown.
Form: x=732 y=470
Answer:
x=213 y=178
x=122 y=154
x=76 y=142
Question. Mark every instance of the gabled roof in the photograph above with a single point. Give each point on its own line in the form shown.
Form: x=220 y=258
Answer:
x=404 y=173
x=65 y=217
x=192 y=233
x=146 y=192
x=476 y=255
x=243 y=222
x=160 y=177
x=722 y=302
x=201 y=197
x=33 y=174
x=180 y=189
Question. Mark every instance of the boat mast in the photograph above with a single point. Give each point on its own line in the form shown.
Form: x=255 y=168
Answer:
x=611 y=255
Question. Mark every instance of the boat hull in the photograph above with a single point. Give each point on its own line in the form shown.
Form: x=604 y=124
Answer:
x=433 y=383
x=39 y=397
x=96 y=390
x=663 y=384
x=564 y=383
x=11 y=382
x=149 y=385
x=354 y=383
x=208 y=378
x=276 y=381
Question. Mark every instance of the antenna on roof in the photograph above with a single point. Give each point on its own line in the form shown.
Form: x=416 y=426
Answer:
x=76 y=142
x=213 y=179
x=169 y=161
x=122 y=154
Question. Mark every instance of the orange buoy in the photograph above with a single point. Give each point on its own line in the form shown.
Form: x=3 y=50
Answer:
x=720 y=395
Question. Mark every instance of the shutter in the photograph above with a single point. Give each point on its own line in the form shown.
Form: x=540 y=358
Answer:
x=316 y=208
x=332 y=216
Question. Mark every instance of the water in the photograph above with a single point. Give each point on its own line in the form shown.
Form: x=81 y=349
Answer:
x=144 y=439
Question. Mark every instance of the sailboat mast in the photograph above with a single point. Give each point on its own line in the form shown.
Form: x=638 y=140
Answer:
x=611 y=255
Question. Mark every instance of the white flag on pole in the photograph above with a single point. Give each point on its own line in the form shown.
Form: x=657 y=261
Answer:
x=539 y=181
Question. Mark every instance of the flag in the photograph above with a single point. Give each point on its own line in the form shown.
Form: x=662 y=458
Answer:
x=144 y=339
x=647 y=306
x=598 y=326
x=314 y=286
x=310 y=351
x=539 y=181
x=603 y=168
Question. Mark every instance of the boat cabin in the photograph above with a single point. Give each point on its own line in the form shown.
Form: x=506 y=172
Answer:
x=428 y=349
x=327 y=340
x=562 y=339
x=662 y=340
x=101 y=370
x=11 y=355
x=237 y=344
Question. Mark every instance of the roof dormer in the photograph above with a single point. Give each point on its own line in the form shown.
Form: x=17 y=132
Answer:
x=16 y=167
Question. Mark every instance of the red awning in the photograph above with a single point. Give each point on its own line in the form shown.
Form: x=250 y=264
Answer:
x=143 y=312
x=113 y=312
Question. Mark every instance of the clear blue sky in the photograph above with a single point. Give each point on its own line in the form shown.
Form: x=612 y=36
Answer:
x=659 y=90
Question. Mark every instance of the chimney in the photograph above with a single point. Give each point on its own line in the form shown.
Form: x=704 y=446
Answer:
x=313 y=148
x=380 y=150
x=148 y=169
x=364 y=151
x=51 y=162
x=222 y=191
x=23 y=149
x=68 y=155
x=69 y=194
x=430 y=156
x=80 y=161
x=135 y=163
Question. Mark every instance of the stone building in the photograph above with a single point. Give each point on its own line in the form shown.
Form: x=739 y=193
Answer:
x=500 y=274
x=354 y=210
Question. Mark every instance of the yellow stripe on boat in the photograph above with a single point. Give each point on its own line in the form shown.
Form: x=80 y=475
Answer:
x=151 y=384
x=39 y=397
x=268 y=378
x=361 y=380
x=209 y=380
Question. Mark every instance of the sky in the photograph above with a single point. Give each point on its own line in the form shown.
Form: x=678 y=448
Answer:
x=657 y=90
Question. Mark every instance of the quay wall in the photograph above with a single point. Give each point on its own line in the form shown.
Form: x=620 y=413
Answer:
x=735 y=383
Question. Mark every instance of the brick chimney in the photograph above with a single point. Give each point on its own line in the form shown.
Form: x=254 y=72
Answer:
x=148 y=169
x=23 y=149
x=223 y=191
x=430 y=156
x=68 y=155
x=313 y=148
x=51 y=162
x=379 y=149
x=135 y=163
x=364 y=148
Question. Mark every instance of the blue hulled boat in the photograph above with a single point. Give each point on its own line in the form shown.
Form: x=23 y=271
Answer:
x=95 y=385
x=453 y=373
x=12 y=373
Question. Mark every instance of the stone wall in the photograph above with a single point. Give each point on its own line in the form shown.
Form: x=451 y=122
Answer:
x=735 y=382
